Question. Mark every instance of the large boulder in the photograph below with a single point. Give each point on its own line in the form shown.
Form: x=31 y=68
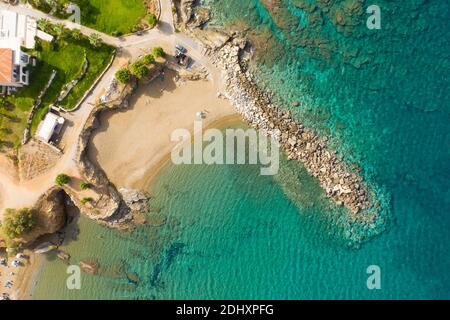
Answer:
x=49 y=214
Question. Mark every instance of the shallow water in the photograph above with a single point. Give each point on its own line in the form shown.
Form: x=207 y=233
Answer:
x=232 y=234
x=382 y=96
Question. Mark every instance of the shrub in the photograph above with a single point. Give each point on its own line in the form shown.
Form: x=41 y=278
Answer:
x=136 y=28
x=85 y=185
x=116 y=33
x=123 y=75
x=13 y=248
x=44 y=24
x=38 y=44
x=152 y=20
x=58 y=29
x=148 y=59
x=86 y=200
x=62 y=179
x=17 y=222
x=139 y=70
x=76 y=34
x=158 y=52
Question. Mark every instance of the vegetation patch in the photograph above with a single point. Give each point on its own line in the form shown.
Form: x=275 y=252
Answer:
x=64 y=56
x=62 y=179
x=16 y=222
x=115 y=17
x=140 y=68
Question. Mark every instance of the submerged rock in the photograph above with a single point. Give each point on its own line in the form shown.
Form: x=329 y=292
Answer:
x=89 y=266
x=64 y=256
x=133 y=278
x=157 y=220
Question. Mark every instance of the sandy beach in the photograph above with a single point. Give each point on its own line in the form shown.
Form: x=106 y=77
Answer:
x=22 y=277
x=132 y=145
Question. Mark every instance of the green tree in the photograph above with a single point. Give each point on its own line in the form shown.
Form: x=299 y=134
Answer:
x=158 y=52
x=62 y=179
x=148 y=59
x=17 y=222
x=123 y=75
x=138 y=69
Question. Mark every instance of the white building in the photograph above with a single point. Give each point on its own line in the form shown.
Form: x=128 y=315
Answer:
x=52 y=124
x=16 y=31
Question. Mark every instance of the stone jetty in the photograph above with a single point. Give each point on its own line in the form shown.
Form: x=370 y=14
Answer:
x=340 y=182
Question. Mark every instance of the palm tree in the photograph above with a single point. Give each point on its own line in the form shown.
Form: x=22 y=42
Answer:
x=58 y=29
x=95 y=39
x=43 y=24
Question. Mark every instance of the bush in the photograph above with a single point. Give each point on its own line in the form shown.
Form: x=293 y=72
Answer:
x=116 y=33
x=152 y=20
x=13 y=248
x=76 y=34
x=139 y=70
x=123 y=75
x=38 y=44
x=62 y=179
x=86 y=200
x=136 y=28
x=85 y=185
x=17 y=222
x=148 y=59
x=158 y=52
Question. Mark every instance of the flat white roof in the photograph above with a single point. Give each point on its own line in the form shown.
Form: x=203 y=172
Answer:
x=18 y=28
x=47 y=127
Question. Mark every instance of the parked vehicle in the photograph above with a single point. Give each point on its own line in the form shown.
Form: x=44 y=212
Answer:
x=181 y=49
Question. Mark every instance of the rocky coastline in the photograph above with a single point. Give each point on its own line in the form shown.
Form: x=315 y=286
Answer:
x=115 y=208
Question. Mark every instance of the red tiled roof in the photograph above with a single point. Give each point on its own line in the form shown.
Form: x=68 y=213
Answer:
x=6 y=65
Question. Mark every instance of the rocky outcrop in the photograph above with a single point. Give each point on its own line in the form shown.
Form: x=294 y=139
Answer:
x=188 y=15
x=137 y=202
x=49 y=215
x=115 y=208
x=110 y=209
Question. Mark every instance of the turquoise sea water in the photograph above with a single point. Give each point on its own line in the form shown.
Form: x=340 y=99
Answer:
x=382 y=95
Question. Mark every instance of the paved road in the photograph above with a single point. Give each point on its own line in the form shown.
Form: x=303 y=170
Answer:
x=19 y=194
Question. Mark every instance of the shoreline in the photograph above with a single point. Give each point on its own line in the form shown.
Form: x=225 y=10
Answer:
x=148 y=179
x=24 y=278
x=29 y=277
x=132 y=155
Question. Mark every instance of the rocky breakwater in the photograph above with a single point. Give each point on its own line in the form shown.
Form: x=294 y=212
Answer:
x=341 y=183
